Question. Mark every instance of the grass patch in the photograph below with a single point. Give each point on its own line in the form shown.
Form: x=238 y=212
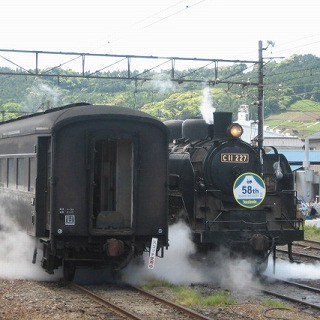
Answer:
x=190 y=297
x=219 y=298
x=153 y=283
x=277 y=304
x=305 y=105
x=187 y=297
x=312 y=233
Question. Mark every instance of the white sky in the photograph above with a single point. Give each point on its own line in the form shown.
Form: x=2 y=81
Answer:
x=221 y=29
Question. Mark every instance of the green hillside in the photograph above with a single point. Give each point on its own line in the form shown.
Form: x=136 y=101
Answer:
x=291 y=92
x=302 y=119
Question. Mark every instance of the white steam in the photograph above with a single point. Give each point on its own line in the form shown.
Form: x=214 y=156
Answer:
x=42 y=97
x=228 y=272
x=16 y=252
x=206 y=107
x=286 y=270
x=163 y=85
x=178 y=268
x=174 y=267
x=218 y=268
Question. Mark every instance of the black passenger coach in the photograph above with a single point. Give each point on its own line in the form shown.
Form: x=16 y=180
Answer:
x=81 y=179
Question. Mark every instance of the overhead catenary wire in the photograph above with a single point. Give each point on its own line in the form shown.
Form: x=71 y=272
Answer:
x=78 y=57
x=173 y=14
x=15 y=64
x=144 y=27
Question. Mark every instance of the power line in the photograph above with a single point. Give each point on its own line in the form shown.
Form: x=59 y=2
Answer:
x=128 y=58
x=173 y=14
x=288 y=46
x=296 y=47
x=158 y=20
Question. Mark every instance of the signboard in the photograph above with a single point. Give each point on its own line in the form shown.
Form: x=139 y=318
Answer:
x=249 y=190
x=235 y=157
x=153 y=251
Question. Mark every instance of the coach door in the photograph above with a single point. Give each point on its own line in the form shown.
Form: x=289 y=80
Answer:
x=43 y=186
x=112 y=184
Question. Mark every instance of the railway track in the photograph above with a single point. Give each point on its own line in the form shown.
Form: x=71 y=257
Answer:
x=128 y=302
x=294 y=292
x=308 y=245
x=311 y=242
x=307 y=249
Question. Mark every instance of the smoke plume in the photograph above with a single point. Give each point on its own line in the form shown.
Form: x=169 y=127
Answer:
x=16 y=252
x=206 y=107
x=286 y=270
x=42 y=97
x=177 y=267
x=163 y=84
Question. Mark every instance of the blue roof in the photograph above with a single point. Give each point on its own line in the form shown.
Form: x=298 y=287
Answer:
x=295 y=167
x=298 y=156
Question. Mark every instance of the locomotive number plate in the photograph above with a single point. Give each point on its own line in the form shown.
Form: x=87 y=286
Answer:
x=235 y=157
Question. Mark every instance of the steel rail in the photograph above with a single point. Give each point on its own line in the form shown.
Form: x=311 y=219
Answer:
x=122 y=312
x=104 y=302
x=279 y=295
x=311 y=241
x=300 y=254
x=187 y=311
x=295 y=284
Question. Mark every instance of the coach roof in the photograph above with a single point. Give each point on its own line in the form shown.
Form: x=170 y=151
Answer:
x=48 y=120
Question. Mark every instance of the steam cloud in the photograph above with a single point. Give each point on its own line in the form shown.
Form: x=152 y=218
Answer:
x=16 y=252
x=42 y=97
x=177 y=267
x=219 y=269
x=163 y=85
x=206 y=107
x=286 y=270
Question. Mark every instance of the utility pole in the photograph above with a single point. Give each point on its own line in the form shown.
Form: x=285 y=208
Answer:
x=260 y=98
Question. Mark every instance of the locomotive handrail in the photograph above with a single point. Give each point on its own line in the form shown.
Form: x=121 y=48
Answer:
x=253 y=223
x=205 y=204
x=294 y=222
x=295 y=196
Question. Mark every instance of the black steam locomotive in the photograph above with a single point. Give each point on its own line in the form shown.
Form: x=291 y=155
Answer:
x=81 y=179
x=230 y=193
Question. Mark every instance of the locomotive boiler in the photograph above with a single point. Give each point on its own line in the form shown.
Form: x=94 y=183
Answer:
x=230 y=193
x=80 y=180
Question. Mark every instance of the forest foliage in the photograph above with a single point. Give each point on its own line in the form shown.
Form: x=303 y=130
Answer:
x=289 y=85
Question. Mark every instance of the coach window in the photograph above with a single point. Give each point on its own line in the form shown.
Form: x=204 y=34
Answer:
x=32 y=174
x=22 y=174
x=3 y=172
x=11 y=177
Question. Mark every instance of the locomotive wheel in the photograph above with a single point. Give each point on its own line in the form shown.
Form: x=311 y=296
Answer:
x=69 y=270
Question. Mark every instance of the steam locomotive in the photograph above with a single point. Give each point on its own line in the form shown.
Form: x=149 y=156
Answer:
x=230 y=193
x=80 y=180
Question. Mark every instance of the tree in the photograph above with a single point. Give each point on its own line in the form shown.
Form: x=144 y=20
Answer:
x=10 y=110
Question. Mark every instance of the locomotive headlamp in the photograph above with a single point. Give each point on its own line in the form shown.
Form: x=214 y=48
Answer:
x=235 y=130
